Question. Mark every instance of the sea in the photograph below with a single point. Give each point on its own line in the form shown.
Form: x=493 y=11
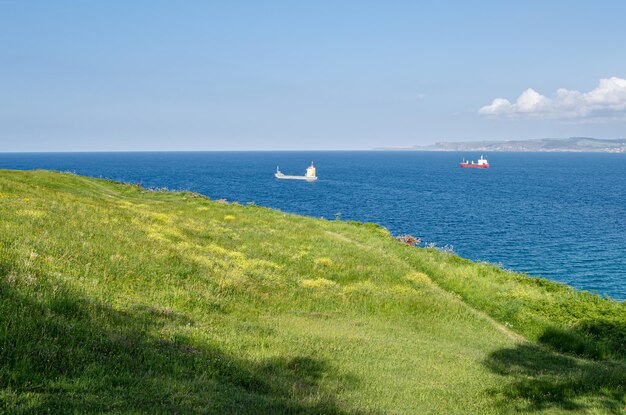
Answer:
x=561 y=216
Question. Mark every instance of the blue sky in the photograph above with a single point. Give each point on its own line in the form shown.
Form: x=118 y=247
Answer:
x=267 y=75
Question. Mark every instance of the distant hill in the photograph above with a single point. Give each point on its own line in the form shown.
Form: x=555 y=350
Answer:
x=572 y=144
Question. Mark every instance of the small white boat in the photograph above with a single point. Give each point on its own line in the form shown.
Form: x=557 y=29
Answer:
x=309 y=176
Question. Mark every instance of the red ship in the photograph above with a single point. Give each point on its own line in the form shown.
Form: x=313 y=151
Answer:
x=482 y=164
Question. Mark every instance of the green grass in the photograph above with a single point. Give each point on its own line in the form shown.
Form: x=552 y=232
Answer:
x=115 y=299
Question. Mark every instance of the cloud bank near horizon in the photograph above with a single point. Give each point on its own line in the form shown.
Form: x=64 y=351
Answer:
x=607 y=101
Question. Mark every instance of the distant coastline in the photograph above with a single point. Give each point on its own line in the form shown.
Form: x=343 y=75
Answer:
x=571 y=144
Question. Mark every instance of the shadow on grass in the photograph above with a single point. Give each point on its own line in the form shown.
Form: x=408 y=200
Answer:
x=591 y=339
x=541 y=379
x=65 y=354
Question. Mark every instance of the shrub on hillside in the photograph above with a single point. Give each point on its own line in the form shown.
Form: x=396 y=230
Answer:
x=409 y=240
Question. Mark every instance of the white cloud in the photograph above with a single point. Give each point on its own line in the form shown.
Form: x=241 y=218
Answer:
x=607 y=100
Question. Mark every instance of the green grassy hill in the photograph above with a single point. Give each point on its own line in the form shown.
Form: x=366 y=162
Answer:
x=115 y=299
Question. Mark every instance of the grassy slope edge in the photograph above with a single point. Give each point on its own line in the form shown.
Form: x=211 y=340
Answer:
x=114 y=299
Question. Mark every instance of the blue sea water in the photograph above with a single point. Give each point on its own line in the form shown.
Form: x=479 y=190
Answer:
x=558 y=215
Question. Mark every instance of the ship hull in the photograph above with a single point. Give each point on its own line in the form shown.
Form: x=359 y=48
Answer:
x=474 y=166
x=286 y=177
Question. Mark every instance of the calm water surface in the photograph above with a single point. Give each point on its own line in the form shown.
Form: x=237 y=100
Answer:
x=558 y=215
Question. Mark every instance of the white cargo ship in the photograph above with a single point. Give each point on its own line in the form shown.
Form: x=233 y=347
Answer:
x=309 y=176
